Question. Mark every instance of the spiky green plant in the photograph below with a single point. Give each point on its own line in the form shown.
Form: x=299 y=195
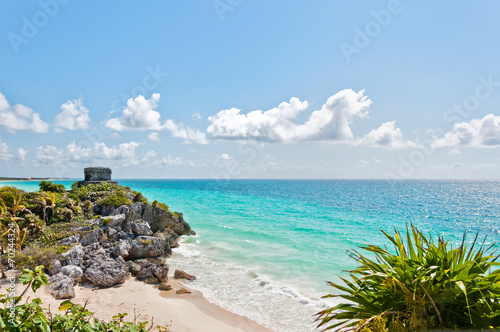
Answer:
x=419 y=285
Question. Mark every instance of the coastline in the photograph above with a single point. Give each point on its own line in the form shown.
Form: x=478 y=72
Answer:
x=186 y=312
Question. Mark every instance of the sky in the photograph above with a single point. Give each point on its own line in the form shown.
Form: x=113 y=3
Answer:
x=229 y=89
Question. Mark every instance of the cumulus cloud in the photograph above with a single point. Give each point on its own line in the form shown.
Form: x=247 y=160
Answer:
x=153 y=137
x=141 y=114
x=330 y=123
x=21 y=154
x=74 y=116
x=20 y=117
x=189 y=135
x=386 y=136
x=74 y=153
x=5 y=151
x=483 y=132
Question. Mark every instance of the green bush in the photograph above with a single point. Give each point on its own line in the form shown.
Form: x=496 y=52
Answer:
x=117 y=198
x=423 y=285
x=36 y=255
x=138 y=197
x=51 y=187
x=161 y=205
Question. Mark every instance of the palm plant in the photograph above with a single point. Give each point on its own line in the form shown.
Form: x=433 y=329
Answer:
x=47 y=200
x=422 y=285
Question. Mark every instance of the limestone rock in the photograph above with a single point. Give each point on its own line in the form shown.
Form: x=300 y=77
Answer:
x=73 y=271
x=74 y=256
x=93 y=237
x=183 y=291
x=61 y=286
x=153 y=273
x=141 y=228
x=54 y=267
x=69 y=240
x=161 y=218
x=164 y=286
x=169 y=236
x=106 y=272
x=178 y=274
x=122 y=249
x=148 y=246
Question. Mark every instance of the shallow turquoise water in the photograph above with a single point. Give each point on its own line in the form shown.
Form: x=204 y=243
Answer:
x=265 y=248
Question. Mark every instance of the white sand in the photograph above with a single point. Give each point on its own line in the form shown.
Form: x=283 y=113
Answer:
x=186 y=312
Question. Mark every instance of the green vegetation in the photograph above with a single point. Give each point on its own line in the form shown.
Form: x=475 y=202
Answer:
x=422 y=285
x=49 y=186
x=30 y=316
x=139 y=198
x=161 y=205
x=115 y=199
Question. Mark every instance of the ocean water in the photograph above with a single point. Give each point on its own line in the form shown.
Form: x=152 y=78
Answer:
x=265 y=248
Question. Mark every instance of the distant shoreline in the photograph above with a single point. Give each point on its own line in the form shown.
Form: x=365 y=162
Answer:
x=30 y=179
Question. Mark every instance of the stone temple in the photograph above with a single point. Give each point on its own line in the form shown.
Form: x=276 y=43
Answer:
x=97 y=175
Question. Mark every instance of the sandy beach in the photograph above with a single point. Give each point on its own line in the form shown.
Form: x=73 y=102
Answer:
x=186 y=312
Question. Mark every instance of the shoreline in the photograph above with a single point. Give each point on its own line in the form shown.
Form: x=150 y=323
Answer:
x=186 y=312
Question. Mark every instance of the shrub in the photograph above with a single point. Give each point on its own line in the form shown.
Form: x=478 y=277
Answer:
x=36 y=255
x=161 y=205
x=424 y=285
x=117 y=198
x=138 y=197
x=51 y=187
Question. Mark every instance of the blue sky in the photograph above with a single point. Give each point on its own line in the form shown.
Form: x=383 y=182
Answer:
x=250 y=89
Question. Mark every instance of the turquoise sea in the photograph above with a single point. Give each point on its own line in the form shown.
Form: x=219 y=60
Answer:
x=265 y=248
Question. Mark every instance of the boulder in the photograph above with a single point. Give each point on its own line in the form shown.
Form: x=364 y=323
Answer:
x=148 y=246
x=161 y=218
x=183 y=291
x=54 y=267
x=73 y=271
x=106 y=272
x=73 y=256
x=133 y=268
x=93 y=237
x=164 y=286
x=160 y=260
x=121 y=235
x=61 y=286
x=169 y=236
x=178 y=274
x=141 y=228
x=153 y=273
x=69 y=240
x=122 y=249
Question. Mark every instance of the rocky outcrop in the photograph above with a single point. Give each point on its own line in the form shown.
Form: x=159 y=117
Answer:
x=72 y=271
x=183 y=291
x=153 y=273
x=178 y=274
x=61 y=286
x=148 y=246
x=106 y=272
x=122 y=249
x=73 y=256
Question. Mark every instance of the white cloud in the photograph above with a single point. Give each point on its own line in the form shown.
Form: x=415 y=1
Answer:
x=74 y=116
x=454 y=152
x=20 y=117
x=153 y=137
x=141 y=114
x=97 y=152
x=5 y=151
x=225 y=156
x=386 y=136
x=196 y=115
x=21 y=154
x=483 y=132
x=189 y=135
x=330 y=123
x=168 y=160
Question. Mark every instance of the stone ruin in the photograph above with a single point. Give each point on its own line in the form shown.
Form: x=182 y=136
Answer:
x=97 y=175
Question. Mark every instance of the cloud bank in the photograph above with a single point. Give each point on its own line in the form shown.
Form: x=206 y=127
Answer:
x=74 y=116
x=483 y=132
